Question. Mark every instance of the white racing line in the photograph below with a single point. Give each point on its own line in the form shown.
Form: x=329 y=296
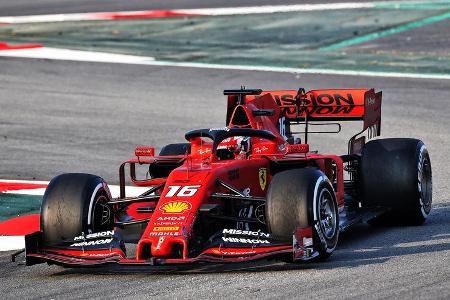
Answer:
x=221 y=11
x=103 y=57
x=10 y=243
x=76 y=55
x=228 y=11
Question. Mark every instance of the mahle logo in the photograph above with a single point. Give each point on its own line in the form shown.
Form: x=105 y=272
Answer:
x=175 y=207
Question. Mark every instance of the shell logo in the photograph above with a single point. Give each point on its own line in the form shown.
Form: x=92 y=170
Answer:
x=175 y=207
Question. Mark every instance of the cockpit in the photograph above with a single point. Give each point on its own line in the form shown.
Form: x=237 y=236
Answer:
x=230 y=143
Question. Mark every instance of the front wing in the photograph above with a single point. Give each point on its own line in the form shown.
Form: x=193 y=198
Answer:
x=300 y=249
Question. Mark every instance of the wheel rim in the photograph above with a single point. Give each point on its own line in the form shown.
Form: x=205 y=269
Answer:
x=327 y=214
x=101 y=216
x=425 y=185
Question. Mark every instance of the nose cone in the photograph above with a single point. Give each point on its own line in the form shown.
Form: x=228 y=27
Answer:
x=164 y=246
x=171 y=223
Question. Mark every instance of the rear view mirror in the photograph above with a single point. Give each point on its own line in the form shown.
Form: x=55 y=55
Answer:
x=297 y=148
x=144 y=151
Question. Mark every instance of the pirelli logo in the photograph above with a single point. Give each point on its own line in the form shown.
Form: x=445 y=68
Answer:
x=166 y=228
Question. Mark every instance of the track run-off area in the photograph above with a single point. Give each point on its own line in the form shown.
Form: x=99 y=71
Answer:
x=79 y=95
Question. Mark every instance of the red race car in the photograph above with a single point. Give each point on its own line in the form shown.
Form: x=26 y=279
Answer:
x=250 y=190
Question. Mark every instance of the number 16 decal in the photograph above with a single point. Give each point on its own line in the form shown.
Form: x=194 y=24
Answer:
x=182 y=191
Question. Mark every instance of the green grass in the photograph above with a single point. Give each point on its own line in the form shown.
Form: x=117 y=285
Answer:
x=13 y=205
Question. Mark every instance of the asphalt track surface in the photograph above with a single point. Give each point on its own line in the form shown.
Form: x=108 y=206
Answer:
x=61 y=116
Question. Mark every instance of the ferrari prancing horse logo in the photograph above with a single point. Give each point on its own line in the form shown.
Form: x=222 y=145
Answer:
x=262 y=178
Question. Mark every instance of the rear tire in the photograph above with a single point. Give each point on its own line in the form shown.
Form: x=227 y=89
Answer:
x=396 y=174
x=74 y=204
x=175 y=149
x=303 y=198
x=162 y=170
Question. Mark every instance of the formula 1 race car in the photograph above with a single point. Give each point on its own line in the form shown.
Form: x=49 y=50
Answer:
x=250 y=190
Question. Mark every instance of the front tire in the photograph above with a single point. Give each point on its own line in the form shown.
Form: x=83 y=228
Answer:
x=75 y=204
x=303 y=198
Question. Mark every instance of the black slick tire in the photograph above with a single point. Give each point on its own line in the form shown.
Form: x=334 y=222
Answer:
x=294 y=200
x=74 y=204
x=175 y=149
x=396 y=174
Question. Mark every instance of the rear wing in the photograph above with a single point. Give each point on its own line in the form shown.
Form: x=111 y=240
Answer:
x=317 y=105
